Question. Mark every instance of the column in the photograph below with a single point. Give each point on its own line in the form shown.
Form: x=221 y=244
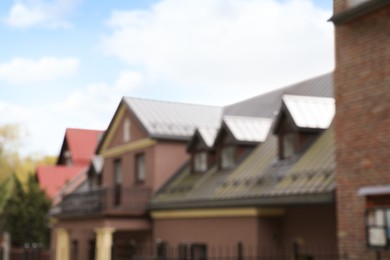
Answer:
x=63 y=244
x=104 y=243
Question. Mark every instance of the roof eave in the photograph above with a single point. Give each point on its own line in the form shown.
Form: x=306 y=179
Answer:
x=272 y=201
x=177 y=138
x=358 y=11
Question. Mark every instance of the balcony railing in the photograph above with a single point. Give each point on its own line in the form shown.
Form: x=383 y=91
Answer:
x=118 y=201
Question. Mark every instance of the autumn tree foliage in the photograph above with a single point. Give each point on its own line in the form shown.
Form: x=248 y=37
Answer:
x=24 y=206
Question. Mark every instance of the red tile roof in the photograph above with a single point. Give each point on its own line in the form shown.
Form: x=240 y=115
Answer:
x=53 y=178
x=82 y=144
x=69 y=187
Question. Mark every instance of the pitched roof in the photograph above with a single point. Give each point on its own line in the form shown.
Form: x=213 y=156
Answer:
x=259 y=180
x=267 y=104
x=82 y=144
x=208 y=134
x=310 y=112
x=53 y=178
x=173 y=120
x=70 y=186
x=178 y=121
x=248 y=129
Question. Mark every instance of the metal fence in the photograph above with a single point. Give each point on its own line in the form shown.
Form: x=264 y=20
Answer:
x=29 y=252
x=199 y=251
x=119 y=200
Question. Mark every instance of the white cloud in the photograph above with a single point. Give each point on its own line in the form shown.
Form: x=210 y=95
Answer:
x=240 y=47
x=90 y=107
x=30 y=13
x=128 y=80
x=21 y=70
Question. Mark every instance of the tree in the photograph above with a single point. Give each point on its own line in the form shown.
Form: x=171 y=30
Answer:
x=25 y=215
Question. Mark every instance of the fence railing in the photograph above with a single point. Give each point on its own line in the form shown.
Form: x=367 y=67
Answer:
x=29 y=252
x=116 y=200
x=201 y=251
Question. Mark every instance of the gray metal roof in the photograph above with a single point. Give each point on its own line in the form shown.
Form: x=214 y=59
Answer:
x=261 y=178
x=208 y=135
x=248 y=129
x=310 y=112
x=267 y=104
x=173 y=120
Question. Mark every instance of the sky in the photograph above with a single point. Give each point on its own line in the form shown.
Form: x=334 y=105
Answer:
x=68 y=63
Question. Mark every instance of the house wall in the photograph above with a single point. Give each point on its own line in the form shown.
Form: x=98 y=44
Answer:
x=168 y=158
x=313 y=226
x=137 y=132
x=362 y=121
x=221 y=231
x=128 y=168
x=162 y=159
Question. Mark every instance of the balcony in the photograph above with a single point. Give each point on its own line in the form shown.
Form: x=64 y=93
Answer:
x=115 y=201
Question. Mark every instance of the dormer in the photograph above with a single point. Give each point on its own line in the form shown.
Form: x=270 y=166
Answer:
x=299 y=121
x=237 y=136
x=201 y=149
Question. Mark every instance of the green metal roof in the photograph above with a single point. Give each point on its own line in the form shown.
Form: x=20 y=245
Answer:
x=259 y=179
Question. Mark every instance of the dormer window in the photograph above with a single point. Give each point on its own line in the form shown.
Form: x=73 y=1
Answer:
x=288 y=145
x=200 y=161
x=300 y=120
x=68 y=158
x=201 y=149
x=126 y=130
x=140 y=167
x=227 y=157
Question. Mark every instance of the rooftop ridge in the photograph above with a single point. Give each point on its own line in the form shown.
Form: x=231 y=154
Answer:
x=170 y=102
x=281 y=88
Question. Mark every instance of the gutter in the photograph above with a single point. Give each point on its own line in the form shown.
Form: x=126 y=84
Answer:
x=271 y=201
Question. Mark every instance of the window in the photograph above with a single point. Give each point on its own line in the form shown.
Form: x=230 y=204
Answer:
x=378 y=227
x=200 y=162
x=118 y=171
x=126 y=130
x=140 y=169
x=288 y=145
x=93 y=182
x=118 y=181
x=227 y=157
x=68 y=158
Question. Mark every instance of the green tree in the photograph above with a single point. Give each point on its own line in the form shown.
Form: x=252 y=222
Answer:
x=25 y=215
x=4 y=192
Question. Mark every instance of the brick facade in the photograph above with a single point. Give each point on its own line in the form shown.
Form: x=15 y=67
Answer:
x=362 y=121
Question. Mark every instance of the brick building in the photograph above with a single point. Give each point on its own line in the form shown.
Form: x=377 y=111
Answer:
x=362 y=123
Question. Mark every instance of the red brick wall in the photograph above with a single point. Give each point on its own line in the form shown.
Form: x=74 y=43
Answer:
x=362 y=122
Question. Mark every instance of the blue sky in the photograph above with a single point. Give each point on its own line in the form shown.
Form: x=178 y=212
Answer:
x=67 y=63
